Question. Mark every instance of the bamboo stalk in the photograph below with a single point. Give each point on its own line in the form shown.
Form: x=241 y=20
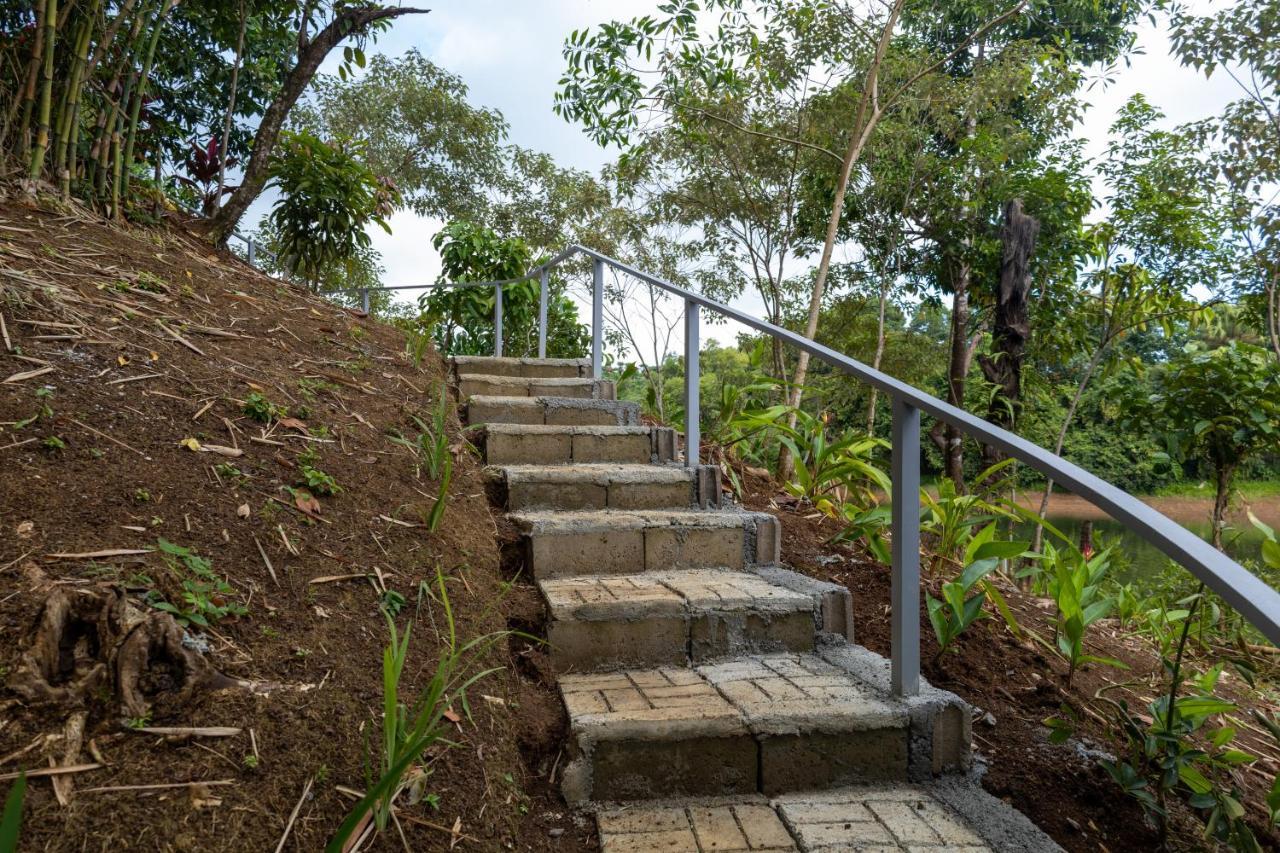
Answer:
x=28 y=97
x=68 y=125
x=46 y=91
x=135 y=106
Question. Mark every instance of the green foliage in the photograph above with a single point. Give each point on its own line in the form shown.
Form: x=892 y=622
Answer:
x=826 y=471
x=1076 y=586
x=462 y=317
x=410 y=728
x=262 y=410
x=328 y=196
x=11 y=818
x=205 y=596
x=431 y=448
x=962 y=598
x=391 y=602
x=317 y=481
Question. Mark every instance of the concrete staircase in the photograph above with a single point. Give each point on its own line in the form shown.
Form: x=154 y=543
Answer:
x=694 y=666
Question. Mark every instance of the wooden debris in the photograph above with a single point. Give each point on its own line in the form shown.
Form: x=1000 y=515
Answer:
x=293 y=815
x=191 y=731
x=336 y=578
x=267 y=560
x=157 y=787
x=94 y=555
x=111 y=439
x=179 y=338
x=134 y=378
x=27 y=374
x=50 y=771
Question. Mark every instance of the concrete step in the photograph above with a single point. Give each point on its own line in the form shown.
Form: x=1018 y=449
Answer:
x=613 y=542
x=551 y=411
x=684 y=616
x=540 y=368
x=539 y=444
x=478 y=384
x=772 y=724
x=605 y=486
x=953 y=815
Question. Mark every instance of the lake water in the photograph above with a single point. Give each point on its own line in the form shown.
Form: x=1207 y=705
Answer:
x=1243 y=540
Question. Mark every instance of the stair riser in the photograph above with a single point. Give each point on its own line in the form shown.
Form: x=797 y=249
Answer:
x=566 y=448
x=578 y=389
x=559 y=412
x=630 y=550
x=528 y=496
x=594 y=645
x=523 y=368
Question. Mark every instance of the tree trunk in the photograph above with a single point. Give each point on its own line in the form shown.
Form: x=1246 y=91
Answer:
x=231 y=106
x=950 y=441
x=1220 y=500
x=348 y=22
x=879 y=356
x=46 y=92
x=1012 y=328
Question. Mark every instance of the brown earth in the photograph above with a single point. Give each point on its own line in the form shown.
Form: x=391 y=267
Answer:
x=1019 y=684
x=154 y=338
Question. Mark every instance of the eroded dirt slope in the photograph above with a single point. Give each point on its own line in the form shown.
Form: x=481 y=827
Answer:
x=122 y=345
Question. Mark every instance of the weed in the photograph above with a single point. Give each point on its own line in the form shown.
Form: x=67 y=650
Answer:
x=302 y=653
x=431 y=447
x=11 y=818
x=260 y=409
x=391 y=602
x=43 y=395
x=53 y=444
x=138 y=722
x=322 y=774
x=141 y=496
x=204 y=594
x=318 y=481
x=230 y=472
x=409 y=729
x=269 y=632
x=250 y=761
x=436 y=514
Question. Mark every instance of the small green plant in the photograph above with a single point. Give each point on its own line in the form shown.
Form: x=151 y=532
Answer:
x=136 y=723
x=391 y=602
x=431 y=448
x=53 y=444
x=205 y=596
x=317 y=481
x=11 y=818
x=1075 y=585
x=260 y=409
x=43 y=395
x=250 y=761
x=408 y=729
x=141 y=495
x=436 y=514
x=961 y=604
x=829 y=472
x=227 y=471
x=308 y=456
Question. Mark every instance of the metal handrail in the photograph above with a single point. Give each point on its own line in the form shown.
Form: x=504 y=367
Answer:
x=1240 y=588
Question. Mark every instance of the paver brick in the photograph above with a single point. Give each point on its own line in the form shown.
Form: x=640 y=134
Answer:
x=891 y=818
x=718 y=827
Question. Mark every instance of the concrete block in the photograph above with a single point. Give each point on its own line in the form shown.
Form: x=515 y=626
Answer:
x=677 y=547
x=767 y=540
x=504 y=410
x=546 y=368
x=940 y=723
x=528 y=448
x=664 y=444
x=833 y=603
x=623 y=447
x=583 y=552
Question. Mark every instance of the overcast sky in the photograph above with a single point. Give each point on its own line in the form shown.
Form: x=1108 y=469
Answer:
x=508 y=53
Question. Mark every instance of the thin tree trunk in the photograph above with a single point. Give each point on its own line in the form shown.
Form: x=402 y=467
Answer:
x=68 y=124
x=46 y=92
x=140 y=92
x=1220 y=501
x=879 y=356
x=231 y=106
x=1094 y=361
x=1012 y=327
x=311 y=53
x=25 y=103
x=1273 y=313
x=108 y=37
x=951 y=440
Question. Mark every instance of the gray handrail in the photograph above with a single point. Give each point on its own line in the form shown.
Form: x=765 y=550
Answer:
x=1240 y=588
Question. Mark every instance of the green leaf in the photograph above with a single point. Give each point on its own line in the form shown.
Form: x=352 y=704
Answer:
x=11 y=818
x=1002 y=550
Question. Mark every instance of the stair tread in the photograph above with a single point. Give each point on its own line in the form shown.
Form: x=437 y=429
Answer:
x=583 y=520
x=772 y=694
x=597 y=472
x=672 y=592
x=563 y=429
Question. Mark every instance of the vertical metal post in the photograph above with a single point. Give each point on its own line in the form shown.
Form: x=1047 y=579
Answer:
x=497 y=320
x=597 y=318
x=905 y=587
x=364 y=299
x=251 y=252
x=692 y=380
x=542 y=314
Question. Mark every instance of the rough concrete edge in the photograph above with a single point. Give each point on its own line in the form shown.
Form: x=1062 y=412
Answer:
x=833 y=603
x=1003 y=827
x=923 y=709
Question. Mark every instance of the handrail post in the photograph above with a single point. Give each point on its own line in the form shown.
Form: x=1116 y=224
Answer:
x=251 y=252
x=542 y=313
x=364 y=299
x=905 y=587
x=497 y=321
x=692 y=381
x=597 y=318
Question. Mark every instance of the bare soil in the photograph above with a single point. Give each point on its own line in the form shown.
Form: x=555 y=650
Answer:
x=153 y=338
x=1015 y=684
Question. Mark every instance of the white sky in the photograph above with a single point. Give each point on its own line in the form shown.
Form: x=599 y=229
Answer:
x=508 y=53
